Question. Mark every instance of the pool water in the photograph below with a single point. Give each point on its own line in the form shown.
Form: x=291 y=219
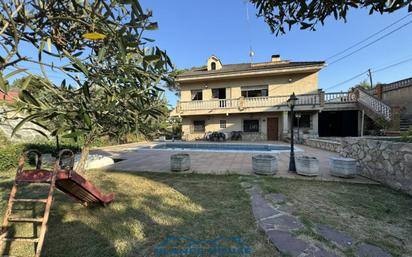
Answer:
x=222 y=147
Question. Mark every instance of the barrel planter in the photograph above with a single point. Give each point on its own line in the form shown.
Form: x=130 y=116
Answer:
x=264 y=164
x=307 y=166
x=342 y=167
x=180 y=162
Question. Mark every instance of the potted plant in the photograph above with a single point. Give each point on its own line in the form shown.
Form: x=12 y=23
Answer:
x=307 y=166
x=180 y=162
x=343 y=167
x=264 y=164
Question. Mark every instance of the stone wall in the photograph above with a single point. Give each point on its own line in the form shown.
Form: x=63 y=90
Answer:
x=387 y=162
x=329 y=145
x=27 y=133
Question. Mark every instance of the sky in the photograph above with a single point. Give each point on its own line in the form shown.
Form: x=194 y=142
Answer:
x=190 y=31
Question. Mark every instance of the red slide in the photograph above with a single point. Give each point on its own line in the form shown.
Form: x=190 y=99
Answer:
x=74 y=185
x=80 y=189
x=67 y=180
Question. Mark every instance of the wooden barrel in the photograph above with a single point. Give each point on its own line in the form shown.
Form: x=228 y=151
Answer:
x=180 y=162
x=264 y=164
x=307 y=166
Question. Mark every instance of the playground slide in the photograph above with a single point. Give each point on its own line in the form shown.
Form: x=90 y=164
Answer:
x=80 y=189
x=67 y=180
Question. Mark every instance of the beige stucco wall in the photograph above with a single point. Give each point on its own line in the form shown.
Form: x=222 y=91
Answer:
x=400 y=98
x=279 y=85
x=234 y=122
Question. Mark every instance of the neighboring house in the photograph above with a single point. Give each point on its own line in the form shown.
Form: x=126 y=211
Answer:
x=252 y=98
x=397 y=94
x=10 y=96
x=9 y=120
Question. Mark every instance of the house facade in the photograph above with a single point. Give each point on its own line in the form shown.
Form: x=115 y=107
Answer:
x=252 y=99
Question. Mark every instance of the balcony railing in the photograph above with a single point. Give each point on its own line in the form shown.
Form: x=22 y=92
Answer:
x=321 y=99
x=248 y=102
x=340 y=97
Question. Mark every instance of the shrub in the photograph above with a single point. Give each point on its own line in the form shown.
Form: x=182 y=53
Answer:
x=3 y=140
x=9 y=156
x=407 y=135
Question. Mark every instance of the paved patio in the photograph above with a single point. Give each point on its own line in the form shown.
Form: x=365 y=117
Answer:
x=135 y=159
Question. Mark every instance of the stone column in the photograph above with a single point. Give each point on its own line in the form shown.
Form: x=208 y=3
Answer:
x=315 y=123
x=379 y=91
x=321 y=94
x=396 y=118
x=285 y=124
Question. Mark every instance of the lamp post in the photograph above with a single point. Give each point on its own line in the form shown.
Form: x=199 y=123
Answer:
x=298 y=115
x=291 y=103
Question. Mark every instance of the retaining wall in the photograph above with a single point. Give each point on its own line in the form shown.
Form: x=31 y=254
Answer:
x=387 y=162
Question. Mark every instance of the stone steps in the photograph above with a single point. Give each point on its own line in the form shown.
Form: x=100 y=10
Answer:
x=274 y=215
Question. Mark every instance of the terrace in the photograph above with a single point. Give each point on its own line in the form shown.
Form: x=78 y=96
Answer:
x=320 y=101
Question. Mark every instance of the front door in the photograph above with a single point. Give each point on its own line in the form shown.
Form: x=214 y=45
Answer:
x=272 y=128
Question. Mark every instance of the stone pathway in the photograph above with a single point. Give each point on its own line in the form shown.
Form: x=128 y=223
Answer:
x=274 y=215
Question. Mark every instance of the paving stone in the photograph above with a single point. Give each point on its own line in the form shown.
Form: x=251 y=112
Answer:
x=319 y=251
x=262 y=209
x=367 y=250
x=285 y=208
x=276 y=198
x=283 y=222
x=286 y=243
x=335 y=236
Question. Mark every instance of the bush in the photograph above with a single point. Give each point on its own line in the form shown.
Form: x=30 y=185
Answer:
x=9 y=156
x=407 y=135
x=3 y=140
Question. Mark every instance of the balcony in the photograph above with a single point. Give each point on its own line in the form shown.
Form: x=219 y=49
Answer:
x=357 y=99
x=264 y=104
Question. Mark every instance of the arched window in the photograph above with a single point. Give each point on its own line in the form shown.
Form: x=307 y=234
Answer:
x=213 y=66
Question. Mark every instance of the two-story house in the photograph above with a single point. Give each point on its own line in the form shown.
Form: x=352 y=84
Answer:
x=249 y=97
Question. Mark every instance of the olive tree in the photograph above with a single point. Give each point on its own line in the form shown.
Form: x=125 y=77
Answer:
x=112 y=72
x=280 y=15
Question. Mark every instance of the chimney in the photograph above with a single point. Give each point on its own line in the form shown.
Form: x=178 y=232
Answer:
x=276 y=58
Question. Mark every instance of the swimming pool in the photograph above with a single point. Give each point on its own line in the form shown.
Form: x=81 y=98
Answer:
x=221 y=147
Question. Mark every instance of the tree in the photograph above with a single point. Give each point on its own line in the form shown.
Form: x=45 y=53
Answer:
x=112 y=71
x=308 y=14
x=364 y=84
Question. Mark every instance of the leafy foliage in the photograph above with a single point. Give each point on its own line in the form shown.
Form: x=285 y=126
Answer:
x=407 y=135
x=364 y=84
x=112 y=72
x=9 y=156
x=280 y=15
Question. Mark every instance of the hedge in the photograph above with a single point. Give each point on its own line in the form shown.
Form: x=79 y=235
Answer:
x=10 y=154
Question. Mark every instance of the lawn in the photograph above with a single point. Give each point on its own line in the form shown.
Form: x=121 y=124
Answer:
x=150 y=207
x=372 y=214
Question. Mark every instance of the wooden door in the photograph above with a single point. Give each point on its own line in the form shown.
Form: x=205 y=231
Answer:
x=272 y=128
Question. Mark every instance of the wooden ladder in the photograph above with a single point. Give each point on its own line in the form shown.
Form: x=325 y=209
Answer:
x=29 y=177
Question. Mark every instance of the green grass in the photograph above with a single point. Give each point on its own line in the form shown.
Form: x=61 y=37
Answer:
x=148 y=207
x=369 y=213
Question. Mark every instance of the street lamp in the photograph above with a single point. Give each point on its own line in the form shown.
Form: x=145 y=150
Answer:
x=298 y=115
x=291 y=103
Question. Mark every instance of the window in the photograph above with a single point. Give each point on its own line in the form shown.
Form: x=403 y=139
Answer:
x=304 y=121
x=197 y=95
x=255 y=91
x=213 y=66
x=219 y=93
x=222 y=124
x=199 y=126
x=251 y=125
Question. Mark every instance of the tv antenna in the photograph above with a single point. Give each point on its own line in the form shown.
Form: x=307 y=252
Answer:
x=251 y=52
